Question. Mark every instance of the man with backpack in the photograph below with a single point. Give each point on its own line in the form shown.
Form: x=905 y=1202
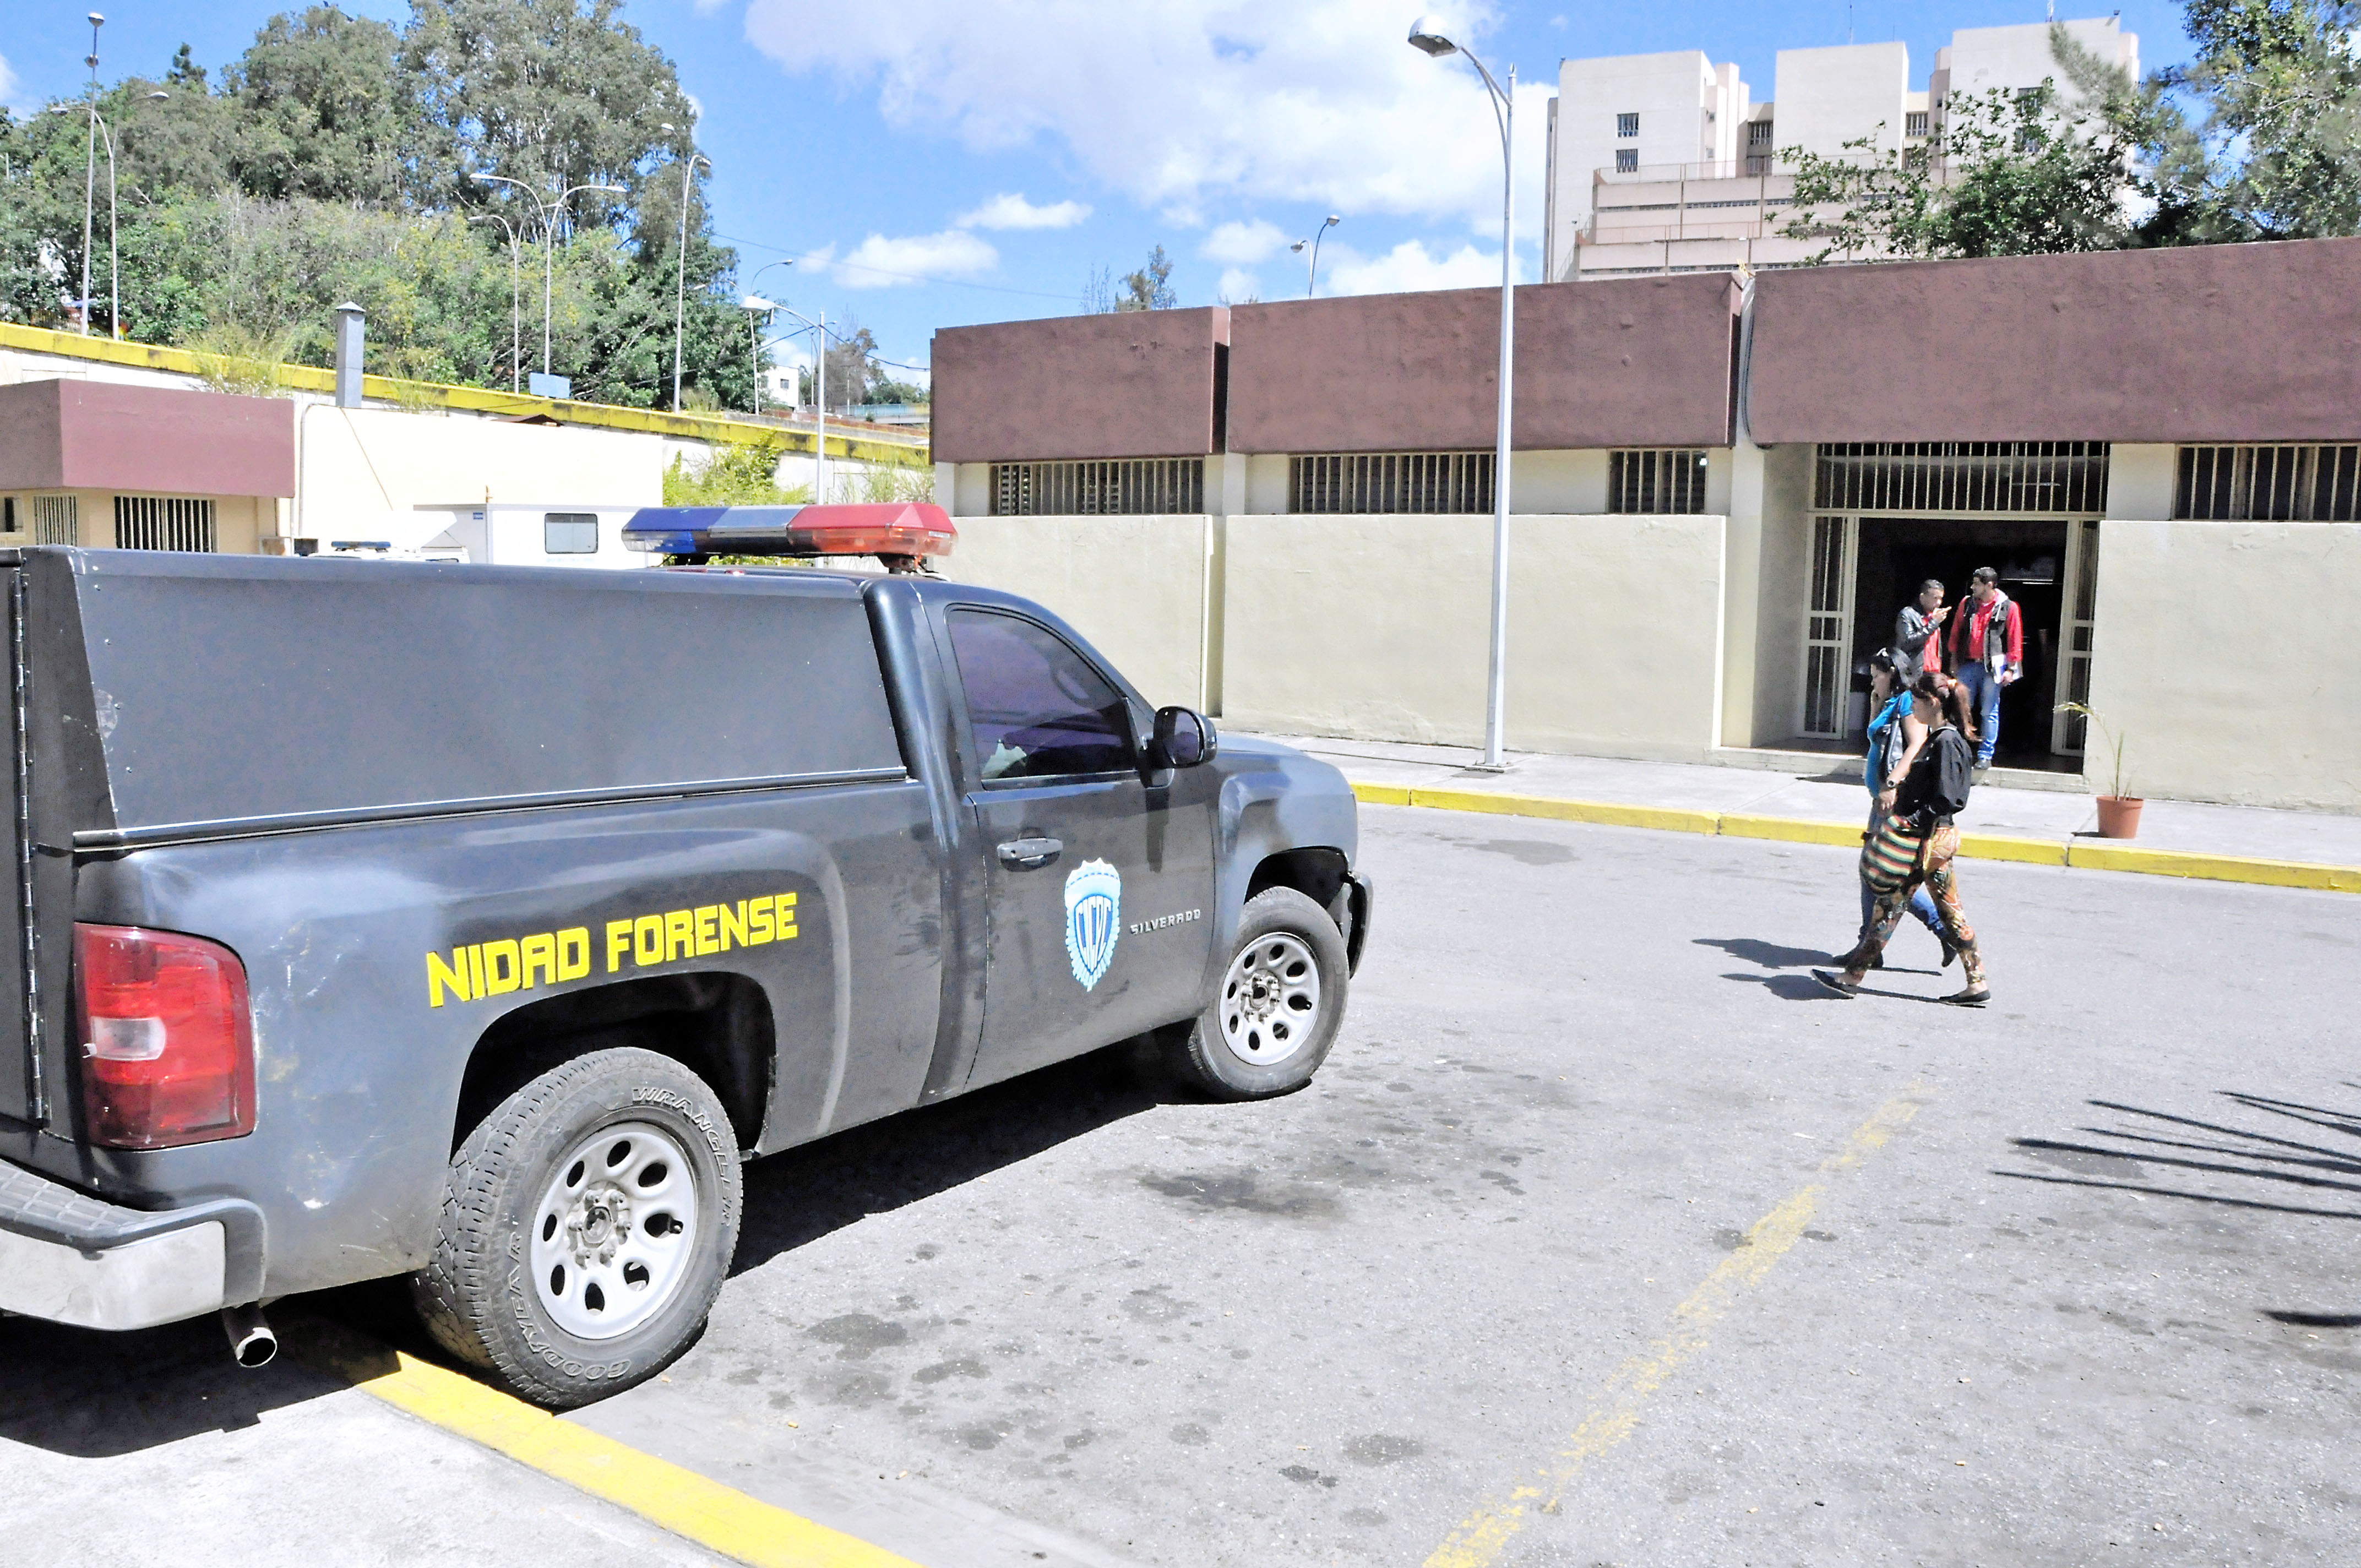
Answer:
x=1916 y=846
x=1987 y=653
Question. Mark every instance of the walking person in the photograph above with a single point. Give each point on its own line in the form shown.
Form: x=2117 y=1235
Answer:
x=1918 y=634
x=1918 y=846
x=1895 y=737
x=1987 y=654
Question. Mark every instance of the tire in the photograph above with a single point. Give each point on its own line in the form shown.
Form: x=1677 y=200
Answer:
x=1278 y=1005
x=587 y=1225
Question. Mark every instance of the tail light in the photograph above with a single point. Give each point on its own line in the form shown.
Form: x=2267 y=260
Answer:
x=168 y=1044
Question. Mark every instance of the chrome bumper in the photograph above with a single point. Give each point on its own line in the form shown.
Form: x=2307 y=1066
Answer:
x=75 y=1259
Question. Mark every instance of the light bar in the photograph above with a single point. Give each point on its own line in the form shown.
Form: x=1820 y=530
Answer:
x=893 y=528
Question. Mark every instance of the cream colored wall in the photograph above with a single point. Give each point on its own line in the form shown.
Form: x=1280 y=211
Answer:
x=1375 y=628
x=2225 y=656
x=1558 y=481
x=1783 y=592
x=1742 y=592
x=1138 y=587
x=1267 y=482
x=2140 y=481
x=363 y=473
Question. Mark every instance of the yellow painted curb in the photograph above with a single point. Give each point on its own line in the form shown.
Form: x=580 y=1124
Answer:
x=2214 y=868
x=1789 y=829
x=691 y=1506
x=1797 y=830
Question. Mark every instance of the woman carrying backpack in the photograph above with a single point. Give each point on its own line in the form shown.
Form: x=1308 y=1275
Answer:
x=1894 y=733
x=1916 y=846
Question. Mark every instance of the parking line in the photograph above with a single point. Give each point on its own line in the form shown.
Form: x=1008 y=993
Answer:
x=713 y=1516
x=1479 y=1539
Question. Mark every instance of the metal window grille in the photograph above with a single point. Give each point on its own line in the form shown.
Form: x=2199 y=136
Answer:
x=2275 y=484
x=1962 y=475
x=1120 y=488
x=57 y=520
x=1656 y=481
x=163 y=522
x=1757 y=132
x=1828 y=631
x=1361 y=482
x=1627 y=160
x=1627 y=125
x=1913 y=123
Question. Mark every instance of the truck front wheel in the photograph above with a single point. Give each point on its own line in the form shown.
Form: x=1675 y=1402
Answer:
x=587 y=1224
x=1278 y=1005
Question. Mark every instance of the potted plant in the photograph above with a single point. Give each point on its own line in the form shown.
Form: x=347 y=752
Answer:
x=2119 y=814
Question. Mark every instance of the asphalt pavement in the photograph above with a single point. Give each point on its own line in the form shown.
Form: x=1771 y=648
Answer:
x=1606 y=1236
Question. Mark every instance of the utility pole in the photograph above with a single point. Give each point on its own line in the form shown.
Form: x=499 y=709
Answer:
x=90 y=168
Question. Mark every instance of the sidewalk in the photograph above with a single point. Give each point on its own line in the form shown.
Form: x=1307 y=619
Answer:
x=1828 y=805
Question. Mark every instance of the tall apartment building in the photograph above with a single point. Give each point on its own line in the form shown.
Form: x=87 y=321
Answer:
x=1665 y=163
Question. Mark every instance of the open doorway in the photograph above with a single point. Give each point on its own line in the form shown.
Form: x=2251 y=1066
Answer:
x=1894 y=555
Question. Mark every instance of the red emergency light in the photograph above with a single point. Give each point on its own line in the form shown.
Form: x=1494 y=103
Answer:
x=891 y=527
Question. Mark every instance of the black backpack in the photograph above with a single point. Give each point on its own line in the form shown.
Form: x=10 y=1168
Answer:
x=1936 y=787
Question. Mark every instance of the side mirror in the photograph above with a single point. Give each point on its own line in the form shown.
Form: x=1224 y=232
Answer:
x=1184 y=738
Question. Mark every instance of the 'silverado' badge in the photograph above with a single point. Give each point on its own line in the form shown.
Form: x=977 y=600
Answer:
x=1093 y=919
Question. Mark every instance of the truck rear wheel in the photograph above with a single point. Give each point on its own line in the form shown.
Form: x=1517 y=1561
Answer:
x=587 y=1225
x=1281 y=1000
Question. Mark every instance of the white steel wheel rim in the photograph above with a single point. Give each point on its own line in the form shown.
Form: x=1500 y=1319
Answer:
x=614 y=1232
x=1270 y=1000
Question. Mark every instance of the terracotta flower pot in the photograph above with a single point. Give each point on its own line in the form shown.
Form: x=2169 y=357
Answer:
x=2119 y=815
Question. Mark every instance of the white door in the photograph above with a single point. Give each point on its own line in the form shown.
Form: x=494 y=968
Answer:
x=2080 y=604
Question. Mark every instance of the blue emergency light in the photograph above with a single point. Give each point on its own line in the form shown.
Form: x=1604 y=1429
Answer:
x=893 y=528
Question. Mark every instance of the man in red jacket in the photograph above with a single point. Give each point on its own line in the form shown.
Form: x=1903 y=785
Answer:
x=1987 y=653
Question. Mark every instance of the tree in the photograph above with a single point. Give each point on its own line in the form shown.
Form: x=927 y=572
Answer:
x=1148 y=289
x=2010 y=173
x=324 y=111
x=851 y=366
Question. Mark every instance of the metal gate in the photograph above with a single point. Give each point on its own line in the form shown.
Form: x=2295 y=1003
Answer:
x=2074 y=641
x=1828 y=631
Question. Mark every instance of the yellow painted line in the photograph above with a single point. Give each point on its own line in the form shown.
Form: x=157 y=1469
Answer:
x=1484 y=1535
x=2080 y=853
x=2215 y=867
x=1789 y=829
x=713 y=1516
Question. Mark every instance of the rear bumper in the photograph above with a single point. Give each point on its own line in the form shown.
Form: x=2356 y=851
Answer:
x=74 y=1259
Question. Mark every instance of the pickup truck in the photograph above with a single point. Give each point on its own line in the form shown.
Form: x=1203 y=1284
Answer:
x=474 y=924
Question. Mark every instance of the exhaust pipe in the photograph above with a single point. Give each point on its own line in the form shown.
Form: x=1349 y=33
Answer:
x=250 y=1339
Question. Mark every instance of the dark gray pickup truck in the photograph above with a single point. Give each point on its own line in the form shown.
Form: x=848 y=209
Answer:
x=474 y=924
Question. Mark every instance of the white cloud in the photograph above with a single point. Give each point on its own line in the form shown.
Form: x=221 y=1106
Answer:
x=1189 y=102
x=1010 y=210
x=1236 y=242
x=9 y=89
x=1238 y=285
x=881 y=262
x=1409 y=267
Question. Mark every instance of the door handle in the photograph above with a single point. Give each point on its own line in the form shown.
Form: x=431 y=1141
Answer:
x=1030 y=854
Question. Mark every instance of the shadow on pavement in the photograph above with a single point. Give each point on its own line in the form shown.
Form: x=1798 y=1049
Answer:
x=1769 y=955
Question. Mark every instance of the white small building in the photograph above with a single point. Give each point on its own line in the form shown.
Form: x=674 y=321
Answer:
x=529 y=533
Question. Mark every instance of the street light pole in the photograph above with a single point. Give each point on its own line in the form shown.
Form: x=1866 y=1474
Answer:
x=819 y=396
x=550 y=209
x=1426 y=34
x=90 y=167
x=1312 y=273
x=680 y=270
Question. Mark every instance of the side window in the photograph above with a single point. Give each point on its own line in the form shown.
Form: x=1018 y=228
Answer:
x=1038 y=710
x=569 y=533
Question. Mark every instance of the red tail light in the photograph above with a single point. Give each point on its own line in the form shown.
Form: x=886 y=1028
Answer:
x=168 y=1046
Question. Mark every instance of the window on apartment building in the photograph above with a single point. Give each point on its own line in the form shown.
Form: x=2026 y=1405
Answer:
x=569 y=533
x=55 y=519
x=2277 y=484
x=1127 y=487
x=1357 y=482
x=1627 y=160
x=1961 y=475
x=1656 y=481
x=1627 y=125
x=163 y=522
x=1914 y=123
x=1758 y=134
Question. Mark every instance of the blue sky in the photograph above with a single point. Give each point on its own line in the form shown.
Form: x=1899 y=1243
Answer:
x=938 y=162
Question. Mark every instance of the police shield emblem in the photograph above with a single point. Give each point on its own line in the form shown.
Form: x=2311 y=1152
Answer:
x=1093 y=919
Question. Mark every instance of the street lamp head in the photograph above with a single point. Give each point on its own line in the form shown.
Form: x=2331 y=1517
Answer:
x=1333 y=221
x=96 y=20
x=1426 y=34
x=158 y=97
x=756 y=302
x=1298 y=246
x=612 y=189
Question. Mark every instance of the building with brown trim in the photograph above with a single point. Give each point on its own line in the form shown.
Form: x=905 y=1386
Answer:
x=1724 y=492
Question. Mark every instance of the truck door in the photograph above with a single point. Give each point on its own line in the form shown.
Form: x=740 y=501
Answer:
x=1098 y=880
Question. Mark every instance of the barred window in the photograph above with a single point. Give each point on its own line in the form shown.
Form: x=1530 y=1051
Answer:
x=1627 y=160
x=57 y=520
x=1627 y=125
x=1391 y=482
x=1656 y=481
x=2277 y=484
x=1758 y=134
x=163 y=522
x=1961 y=475
x=1128 y=487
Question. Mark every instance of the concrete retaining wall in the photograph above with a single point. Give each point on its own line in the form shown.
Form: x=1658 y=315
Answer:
x=2226 y=656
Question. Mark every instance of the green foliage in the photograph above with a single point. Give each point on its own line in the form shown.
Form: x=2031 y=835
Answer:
x=2010 y=173
x=904 y=475
x=732 y=477
x=239 y=360
x=325 y=165
x=1150 y=288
